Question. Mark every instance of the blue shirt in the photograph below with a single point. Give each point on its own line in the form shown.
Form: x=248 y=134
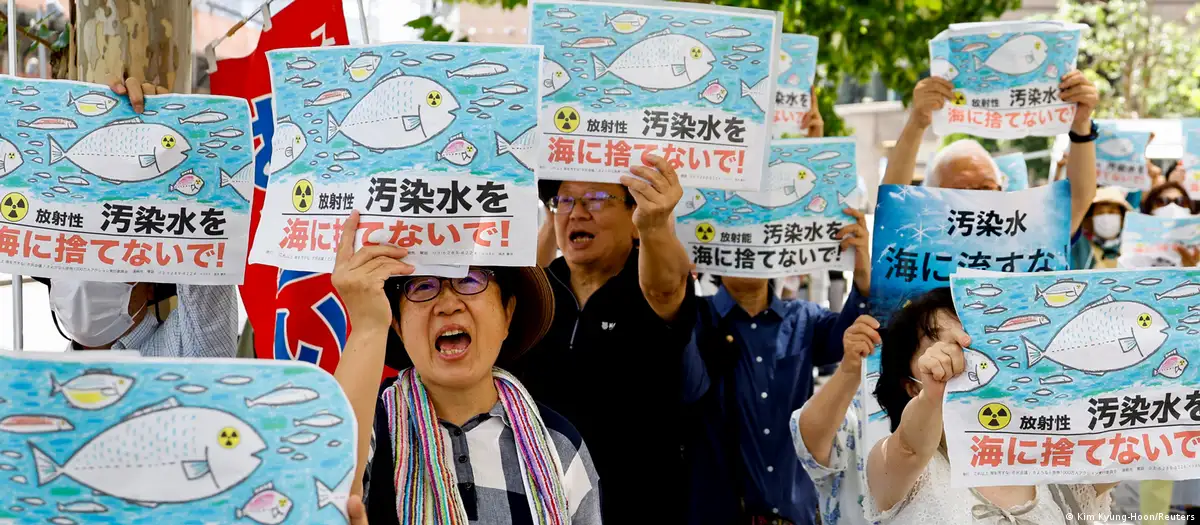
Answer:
x=771 y=376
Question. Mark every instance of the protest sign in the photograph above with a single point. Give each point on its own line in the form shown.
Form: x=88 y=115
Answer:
x=1014 y=174
x=785 y=230
x=793 y=92
x=435 y=145
x=922 y=235
x=91 y=190
x=140 y=440
x=1191 y=157
x=1006 y=77
x=1121 y=157
x=1037 y=403
x=1148 y=241
x=691 y=83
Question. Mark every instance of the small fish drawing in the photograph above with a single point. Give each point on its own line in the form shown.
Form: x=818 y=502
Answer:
x=62 y=520
x=302 y=64
x=1121 y=288
x=473 y=110
x=736 y=57
x=6 y=467
x=362 y=67
x=92 y=104
x=169 y=377
x=266 y=506
x=82 y=507
x=329 y=97
x=398 y=54
x=29 y=91
x=1186 y=289
x=299 y=457
x=302 y=437
x=335 y=443
x=1021 y=322
x=626 y=22
x=295 y=79
x=174 y=107
x=440 y=57
x=19 y=479
x=714 y=92
x=488 y=102
x=459 y=151
x=480 y=68
x=285 y=450
x=562 y=13
x=1060 y=294
x=188 y=183
x=606 y=100
x=48 y=123
x=1118 y=147
x=1009 y=348
x=216 y=143
x=227 y=133
x=617 y=91
x=34 y=424
x=311 y=84
x=553 y=25
x=996 y=310
x=31 y=107
x=817 y=204
x=985 y=290
x=234 y=380
x=728 y=32
x=346 y=155
x=285 y=394
x=322 y=419
x=976 y=306
x=37 y=502
x=507 y=88
x=207 y=116
x=485 y=116
x=571 y=29
x=191 y=389
x=701 y=21
x=93 y=390
x=60 y=189
x=1055 y=380
x=1172 y=365
x=1108 y=281
x=971 y=48
x=1052 y=71
x=1022 y=380
x=1191 y=319
x=335 y=168
x=1149 y=281
x=678 y=24
x=1043 y=392
x=516 y=107
x=748 y=48
x=1005 y=358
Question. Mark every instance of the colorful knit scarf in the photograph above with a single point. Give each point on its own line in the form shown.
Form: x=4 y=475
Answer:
x=426 y=487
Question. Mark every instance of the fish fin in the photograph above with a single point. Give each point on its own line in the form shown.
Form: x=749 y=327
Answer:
x=345 y=65
x=978 y=63
x=238 y=514
x=973 y=376
x=599 y=66
x=264 y=487
x=196 y=469
x=56 y=151
x=249 y=403
x=146 y=161
x=1107 y=299
x=1097 y=374
x=678 y=69
x=651 y=90
x=1128 y=344
x=47 y=469
x=990 y=329
x=165 y=404
x=146 y=504
x=746 y=89
x=55 y=386
x=1032 y=353
x=395 y=73
x=324 y=494
x=1038 y=293
x=607 y=21
x=789 y=190
x=22 y=124
x=226 y=178
x=131 y=120
x=664 y=32
x=411 y=122
x=548 y=83
x=1172 y=352
x=70 y=98
x=502 y=145
x=331 y=126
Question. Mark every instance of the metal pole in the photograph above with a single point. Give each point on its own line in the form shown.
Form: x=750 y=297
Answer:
x=18 y=301
x=43 y=66
x=362 y=21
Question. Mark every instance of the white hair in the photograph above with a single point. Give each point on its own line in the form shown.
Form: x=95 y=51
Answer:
x=953 y=151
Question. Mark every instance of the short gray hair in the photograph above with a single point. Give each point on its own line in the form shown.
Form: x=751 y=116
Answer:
x=953 y=151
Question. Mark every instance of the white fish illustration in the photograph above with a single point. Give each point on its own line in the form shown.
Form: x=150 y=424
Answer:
x=787 y=183
x=1118 y=147
x=287 y=144
x=410 y=62
x=311 y=84
x=591 y=42
x=82 y=507
x=1191 y=319
x=440 y=57
x=479 y=68
x=1106 y=335
x=1172 y=365
x=285 y=394
x=714 y=92
x=1052 y=71
x=1149 y=281
x=10 y=157
x=60 y=189
x=266 y=506
x=126 y=150
x=995 y=310
x=562 y=13
x=736 y=57
x=329 y=97
x=1060 y=294
x=206 y=453
x=1022 y=380
x=1108 y=281
x=400 y=111
x=748 y=48
x=302 y=437
x=1121 y=288
x=227 y=133
x=1055 y=380
x=336 y=497
x=1186 y=289
x=234 y=380
x=174 y=106
x=62 y=520
x=285 y=450
x=942 y=68
x=28 y=91
x=48 y=123
x=617 y=91
x=37 y=502
x=692 y=200
x=362 y=67
x=93 y=390
x=507 y=88
x=985 y=290
x=662 y=60
x=627 y=22
x=191 y=389
x=1005 y=358
x=1018 y=56
x=335 y=443
x=459 y=151
x=757 y=93
x=207 y=116
x=1021 y=322
x=19 y=480
x=346 y=155
x=728 y=32
x=488 y=102
x=523 y=148
x=92 y=103
x=322 y=419
x=553 y=77
x=976 y=306
x=294 y=79
x=398 y=54
x=34 y=424
x=188 y=183
x=473 y=110
x=825 y=155
x=299 y=457
x=169 y=377
x=243 y=183
x=980 y=370
x=1043 y=392
x=215 y=143
x=303 y=64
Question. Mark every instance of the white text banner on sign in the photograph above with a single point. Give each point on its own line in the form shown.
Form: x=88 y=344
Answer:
x=793 y=91
x=91 y=190
x=1150 y=241
x=787 y=229
x=1037 y=404
x=1006 y=77
x=434 y=144
x=691 y=83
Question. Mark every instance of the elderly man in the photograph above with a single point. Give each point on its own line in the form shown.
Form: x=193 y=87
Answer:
x=823 y=430
x=624 y=312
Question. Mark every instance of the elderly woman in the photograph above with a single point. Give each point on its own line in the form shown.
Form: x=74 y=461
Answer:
x=908 y=473
x=455 y=440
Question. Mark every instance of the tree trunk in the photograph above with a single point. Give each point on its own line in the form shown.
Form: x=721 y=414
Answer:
x=146 y=39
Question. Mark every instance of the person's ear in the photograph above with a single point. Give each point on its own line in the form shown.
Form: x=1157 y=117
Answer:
x=510 y=309
x=912 y=388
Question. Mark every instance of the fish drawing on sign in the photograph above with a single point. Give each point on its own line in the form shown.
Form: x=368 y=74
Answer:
x=980 y=369
x=400 y=111
x=336 y=497
x=1020 y=55
x=82 y=507
x=440 y=57
x=48 y=123
x=507 y=88
x=591 y=42
x=267 y=506
x=93 y=390
x=1149 y=281
x=28 y=91
x=523 y=148
x=748 y=48
x=1055 y=379
x=92 y=104
x=191 y=389
x=285 y=394
x=975 y=306
x=1108 y=281
x=626 y=23
x=294 y=79
x=174 y=106
x=242 y=182
x=207 y=116
x=1106 y=335
x=479 y=68
x=1117 y=147
x=757 y=93
x=817 y=204
x=571 y=29
x=1172 y=365
x=1121 y=288
x=995 y=310
x=329 y=97
x=302 y=437
x=985 y=290
x=34 y=424
x=1187 y=289
x=169 y=377
x=287 y=144
x=1191 y=319
x=227 y=133
x=562 y=13
x=188 y=183
x=728 y=32
x=617 y=91
x=302 y=64
x=942 y=68
x=311 y=84
x=216 y=143
x=346 y=155
x=10 y=157
x=488 y=102
x=60 y=189
x=662 y=60
x=459 y=151
x=205 y=453
x=410 y=62
x=1061 y=293
x=714 y=92
x=787 y=183
x=691 y=202
x=235 y=380
x=31 y=107
x=322 y=419
x=362 y=67
x=1021 y=322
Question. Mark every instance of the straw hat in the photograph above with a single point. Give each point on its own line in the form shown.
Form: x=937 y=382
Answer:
x=1112 y=195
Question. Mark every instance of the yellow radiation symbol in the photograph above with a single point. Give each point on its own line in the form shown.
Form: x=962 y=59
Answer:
x=566 y=119
x=14 y=207
x=434 y=99
x=802 y=175
x=168 y=141
x=297 y=139
x=302 y=195
x=959 y=99
x=229 y=437
x=705 y=232
x=994 y=416
x=697 y=52
x=1144 y=320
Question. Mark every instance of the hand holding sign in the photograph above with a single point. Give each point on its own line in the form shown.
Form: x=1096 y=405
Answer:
x=359 y=276
x=856 y=236
x=1077 y=89
x=137 y=90
x=858 y=342
x=943 y=360
x=930 y=95
x=656 y=192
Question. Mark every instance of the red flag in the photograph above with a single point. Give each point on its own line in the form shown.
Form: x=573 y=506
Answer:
x=295 y=315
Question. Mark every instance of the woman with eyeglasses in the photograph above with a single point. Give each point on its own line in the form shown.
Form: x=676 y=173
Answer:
x=453 y=439
x=1170 y=200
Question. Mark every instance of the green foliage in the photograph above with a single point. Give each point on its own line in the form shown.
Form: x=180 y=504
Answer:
x=52 y=31
x=432 y=31
x=1142 y=66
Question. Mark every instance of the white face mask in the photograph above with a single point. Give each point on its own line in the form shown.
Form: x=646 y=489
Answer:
x=1106 y=226
x=1172 y=211
x=92 y=313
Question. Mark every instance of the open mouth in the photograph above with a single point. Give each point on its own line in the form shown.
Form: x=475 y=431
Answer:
x=452 y=342
x=580 y=239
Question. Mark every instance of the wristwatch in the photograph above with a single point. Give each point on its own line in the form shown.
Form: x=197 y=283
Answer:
x=1090 y=137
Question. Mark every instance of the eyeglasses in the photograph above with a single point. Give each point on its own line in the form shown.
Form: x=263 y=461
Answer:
x=425 y=288
x=1163 y=200
x=592 y=201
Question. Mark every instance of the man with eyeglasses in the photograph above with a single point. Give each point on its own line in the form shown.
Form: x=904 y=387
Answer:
x=613 y=359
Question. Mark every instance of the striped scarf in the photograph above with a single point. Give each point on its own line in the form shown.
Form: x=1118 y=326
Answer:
x=426 y=488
